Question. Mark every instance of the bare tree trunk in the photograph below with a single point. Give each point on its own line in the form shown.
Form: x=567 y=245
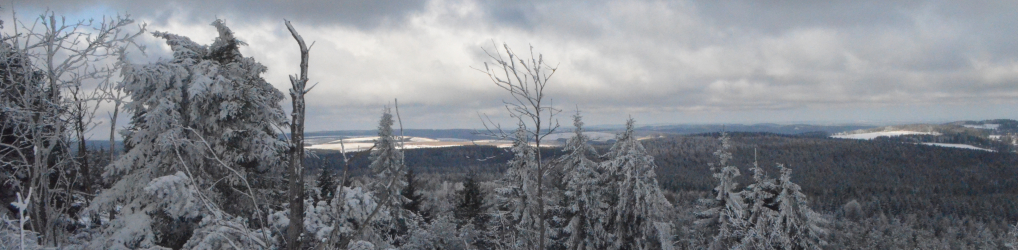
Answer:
x=113 y=130
x=79 y=129
x=296 y=170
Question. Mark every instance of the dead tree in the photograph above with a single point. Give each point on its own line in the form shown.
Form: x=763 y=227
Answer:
x=525 y=80
x=296 y=168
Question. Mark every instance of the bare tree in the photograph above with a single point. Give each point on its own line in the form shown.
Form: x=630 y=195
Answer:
x=51 y=60
x=525 y=79
x=296 y=169
x=115 y=95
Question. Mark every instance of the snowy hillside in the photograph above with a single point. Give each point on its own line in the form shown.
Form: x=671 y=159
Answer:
x=955 y=145
x=873 y=135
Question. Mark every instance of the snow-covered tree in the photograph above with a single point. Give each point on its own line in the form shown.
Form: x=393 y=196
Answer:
x=326 y=185
x=759 y=215
x=470 y=203
x=413 y=195
x=390 y=178
x=514 y=214
x=722 y=216
x=584 y=193
x=795 y=225
x=441 y=233
x=327 y=222
x=45 y=109
x=207 y=117
x=640 y=201
x=525 y=80
x=778 y=216
x=387 y=164
x=1011 y=239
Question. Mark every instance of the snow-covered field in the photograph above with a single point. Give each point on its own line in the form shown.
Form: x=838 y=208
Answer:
x=594 y=136
x=873 y=135
x=364 y=143
x=989 y=126
x=953 y=145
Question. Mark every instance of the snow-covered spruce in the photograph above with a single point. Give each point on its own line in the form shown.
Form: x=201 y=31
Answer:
x=514 y=220
x=721 y=218
x=202 y=125
x=387 y=166
x=640 y=203
x=584 y=193
x=344 y=213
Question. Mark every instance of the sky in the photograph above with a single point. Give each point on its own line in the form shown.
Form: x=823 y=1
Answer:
x=659 y=62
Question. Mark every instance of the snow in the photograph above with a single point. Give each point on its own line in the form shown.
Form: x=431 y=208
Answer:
x=594 y=136
x=873 y=135
x=990 y=126
x=953 y=145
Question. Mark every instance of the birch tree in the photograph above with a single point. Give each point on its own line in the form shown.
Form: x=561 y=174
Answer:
x=525 y=79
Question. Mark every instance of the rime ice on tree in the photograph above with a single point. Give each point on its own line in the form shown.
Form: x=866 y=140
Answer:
x=204 y=125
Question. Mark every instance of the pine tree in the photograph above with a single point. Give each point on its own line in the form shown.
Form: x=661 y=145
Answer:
x=721 y=217
x=207 y=117
x=326 y=185
x=470 y=203
x=640 y=201
x=414 y=197
x=584 y=194
x=389 y=180
x=387 y=164
x=759 y=215
x=795 y=225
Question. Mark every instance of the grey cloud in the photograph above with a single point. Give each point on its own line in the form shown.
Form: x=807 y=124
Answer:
x=357 y=13
x=662 y=61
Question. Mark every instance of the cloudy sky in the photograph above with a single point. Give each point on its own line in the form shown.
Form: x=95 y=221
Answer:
x=661 y=62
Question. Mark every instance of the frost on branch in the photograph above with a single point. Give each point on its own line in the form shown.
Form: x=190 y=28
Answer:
x=203 y=126
x=345 y=213
x=1011 y=240
x=214 y=233
x=174 y=195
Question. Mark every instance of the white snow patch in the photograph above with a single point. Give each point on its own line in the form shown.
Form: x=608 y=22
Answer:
x=873 y=135
x=420 y=139
x=952 y=145
x=989 y=126
x=594 y=136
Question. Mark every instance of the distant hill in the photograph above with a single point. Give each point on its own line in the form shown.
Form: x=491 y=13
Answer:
x=792 y=129
x=994 y=135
